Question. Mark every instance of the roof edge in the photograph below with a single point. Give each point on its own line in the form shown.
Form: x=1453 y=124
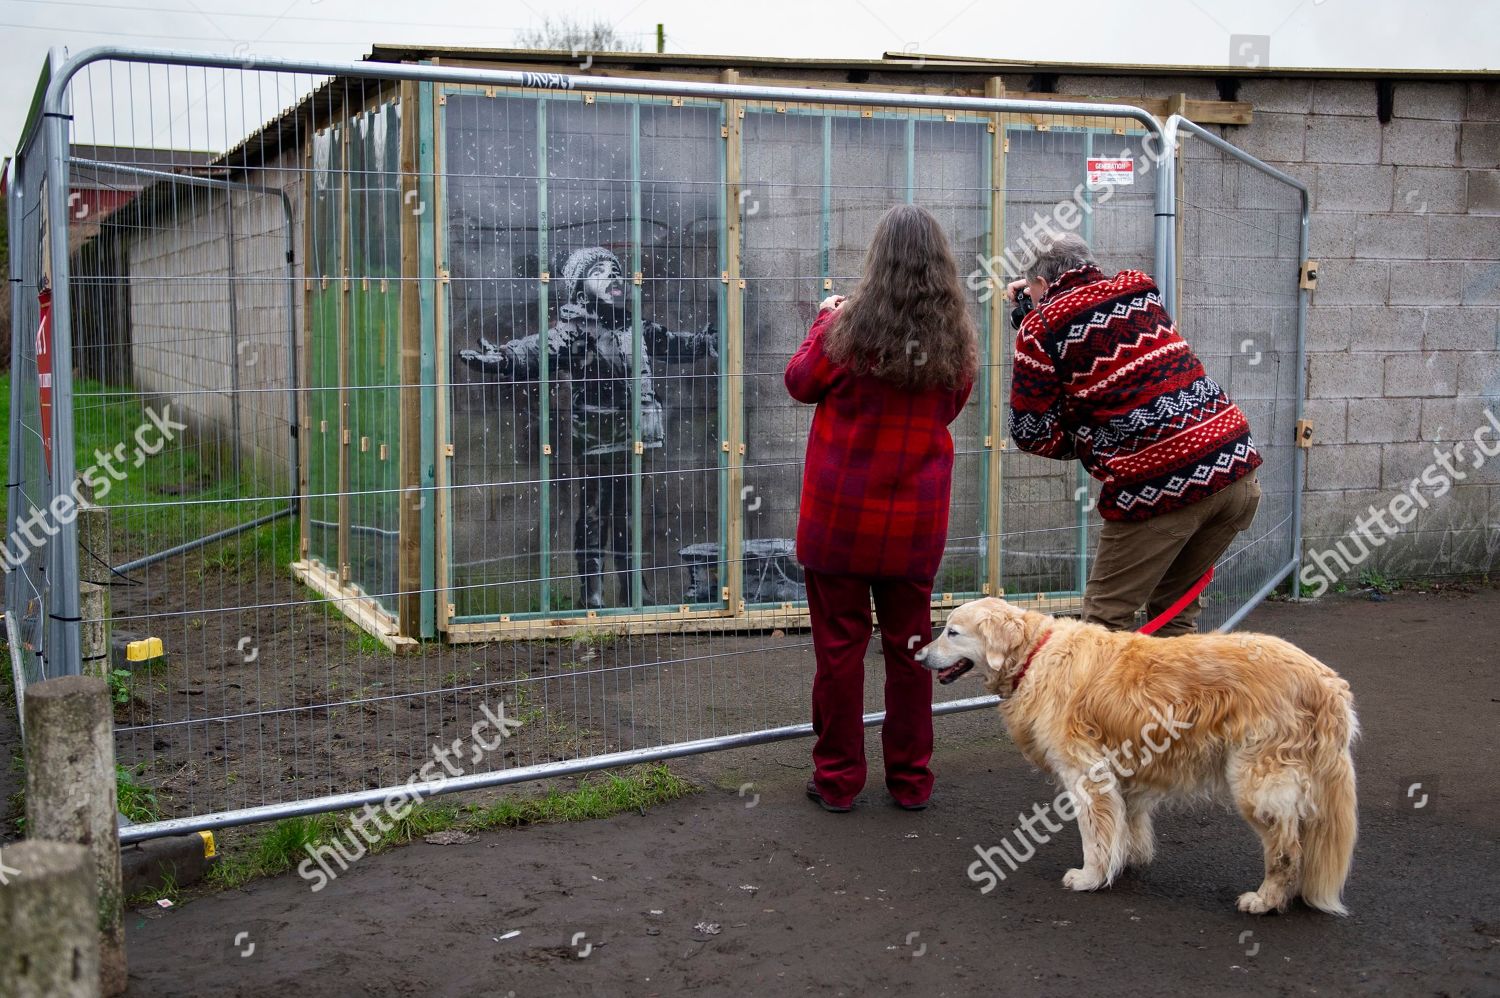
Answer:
x=903 y=61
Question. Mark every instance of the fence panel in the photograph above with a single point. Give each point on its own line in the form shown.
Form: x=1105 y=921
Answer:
x=1243 y=238
x=448 y=393
x=27 y=551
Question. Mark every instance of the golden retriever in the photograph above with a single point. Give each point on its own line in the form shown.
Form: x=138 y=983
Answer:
x=1246 y=717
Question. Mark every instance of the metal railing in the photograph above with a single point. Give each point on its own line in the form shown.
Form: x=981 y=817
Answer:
x=430 y=210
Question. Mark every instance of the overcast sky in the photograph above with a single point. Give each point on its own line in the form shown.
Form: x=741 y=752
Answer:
x=1435 y=34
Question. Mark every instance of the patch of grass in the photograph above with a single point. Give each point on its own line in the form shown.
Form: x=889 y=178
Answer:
x=1371 y=579
x=364 y=643
x=122 y=682
x=186 y=490
x=273 y=851
x=136 y=800
x=422 y=819
x=7 y=679
x=268 y=546
x=119 y=685
x=282 y=846
x=1284 y=591
x=16 y=803
x=166 y=890
x=613 y=794
x=524 y=709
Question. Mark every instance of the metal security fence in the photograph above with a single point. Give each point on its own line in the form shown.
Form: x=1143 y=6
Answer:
x=1241 y=242
x=416 y=396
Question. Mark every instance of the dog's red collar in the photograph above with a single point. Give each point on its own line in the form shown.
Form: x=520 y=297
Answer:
x=1016 y=683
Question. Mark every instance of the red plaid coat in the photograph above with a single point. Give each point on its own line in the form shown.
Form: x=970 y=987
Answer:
x=879 y=469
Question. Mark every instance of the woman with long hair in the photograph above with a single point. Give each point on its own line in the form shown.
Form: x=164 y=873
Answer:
x=888 y=367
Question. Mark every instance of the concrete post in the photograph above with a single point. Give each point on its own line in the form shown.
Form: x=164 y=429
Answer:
x=93 y=633
x=93 y=590
x=71 y=795
x=48 y=921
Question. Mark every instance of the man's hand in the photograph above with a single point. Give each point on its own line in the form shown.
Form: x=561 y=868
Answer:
x=832 y=301
x=1012 y=289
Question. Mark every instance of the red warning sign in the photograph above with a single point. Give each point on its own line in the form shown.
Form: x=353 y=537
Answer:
x=1111 y=171
x=44 y=374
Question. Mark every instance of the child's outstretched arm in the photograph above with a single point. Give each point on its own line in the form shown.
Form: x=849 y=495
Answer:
x=809 y=374
x=520 y=358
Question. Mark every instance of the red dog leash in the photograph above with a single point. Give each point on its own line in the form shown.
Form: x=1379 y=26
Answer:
x=1159 y=622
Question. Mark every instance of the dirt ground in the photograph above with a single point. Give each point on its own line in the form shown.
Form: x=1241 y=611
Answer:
x=752 y=890
x=271 y=696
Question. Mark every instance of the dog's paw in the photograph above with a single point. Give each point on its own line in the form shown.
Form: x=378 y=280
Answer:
x=1082 y=880
x=1253 y=904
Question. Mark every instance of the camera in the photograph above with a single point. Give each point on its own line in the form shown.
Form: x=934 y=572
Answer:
x=1023 y=308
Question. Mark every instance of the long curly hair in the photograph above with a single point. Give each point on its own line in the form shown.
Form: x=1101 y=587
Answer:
x=908 y=322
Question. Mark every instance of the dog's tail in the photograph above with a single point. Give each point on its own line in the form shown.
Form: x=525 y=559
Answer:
x=1329 y=834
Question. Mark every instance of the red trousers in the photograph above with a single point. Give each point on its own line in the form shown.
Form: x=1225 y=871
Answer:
x=840 y=610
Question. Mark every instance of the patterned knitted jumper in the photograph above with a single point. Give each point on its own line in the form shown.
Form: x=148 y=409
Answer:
x=1102 y=375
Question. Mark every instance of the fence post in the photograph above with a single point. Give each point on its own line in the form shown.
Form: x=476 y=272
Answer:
x=71 y=796
x=732 y=356
x=1176 y=104
x=93 y=587
x=47 y=905
x=93 y=629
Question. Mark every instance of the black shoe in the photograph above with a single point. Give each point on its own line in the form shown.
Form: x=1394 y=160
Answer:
x=903 y=805
x=815 y=794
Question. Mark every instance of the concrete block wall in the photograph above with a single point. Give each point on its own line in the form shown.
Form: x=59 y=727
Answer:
x=182 y=350
x=1403 y=331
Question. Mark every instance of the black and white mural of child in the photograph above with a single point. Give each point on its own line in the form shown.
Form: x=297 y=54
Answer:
x=591 y=344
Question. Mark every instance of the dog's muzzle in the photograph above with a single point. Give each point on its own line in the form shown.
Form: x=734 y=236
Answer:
x=947 y=673
x=952 y=672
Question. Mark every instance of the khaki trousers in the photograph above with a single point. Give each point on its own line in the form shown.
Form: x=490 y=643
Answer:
x=1154 y=562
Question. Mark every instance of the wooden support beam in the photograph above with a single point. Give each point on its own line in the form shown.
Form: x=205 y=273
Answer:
x=1204 y=112
x=409 y=444
x=363 y=610
x=442 y=366
x=732 y=361
x=345 y=298
x=994 y=361
x=788 y=616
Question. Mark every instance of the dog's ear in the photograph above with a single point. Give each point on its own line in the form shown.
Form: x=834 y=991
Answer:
x=1003 y=633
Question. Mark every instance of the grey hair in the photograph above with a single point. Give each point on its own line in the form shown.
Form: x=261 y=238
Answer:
x=1056 y=255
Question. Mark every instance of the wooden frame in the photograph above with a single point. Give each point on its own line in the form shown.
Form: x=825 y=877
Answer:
x=1205 y=112
x=409 y=544
x=994 y=438
x=444 y=454
x=788 y=616
x=399 y=630
x=733 y=587
x=352 y=603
